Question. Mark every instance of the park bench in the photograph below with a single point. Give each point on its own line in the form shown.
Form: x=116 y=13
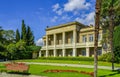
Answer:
x=17 y=67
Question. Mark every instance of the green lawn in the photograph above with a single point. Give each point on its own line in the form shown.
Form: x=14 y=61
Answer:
x=38 y=70
x=100 y=63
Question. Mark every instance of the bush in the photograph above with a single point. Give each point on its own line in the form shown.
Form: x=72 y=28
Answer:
x=69 y=58
x=117 y=54
x=106 y=57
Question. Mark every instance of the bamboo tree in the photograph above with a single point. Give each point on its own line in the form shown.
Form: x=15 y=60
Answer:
x=97 y=20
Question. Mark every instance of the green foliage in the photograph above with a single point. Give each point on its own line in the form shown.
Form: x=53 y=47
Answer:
x=17 y=46
x=69 y=58
x=116 y=41
x=11 y=51
x=105 y=12
x=27 y=34
x=17 y=35
x=30 y=37
x=33 y=48
x=117 y=54
x=117 y=36
x=106 y=57
x=23 y=32
x=9 y=36
x=21 y=45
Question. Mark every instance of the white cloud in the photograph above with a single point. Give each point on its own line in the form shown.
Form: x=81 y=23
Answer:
x=76 y=5
x=54 y=19
x=88 y=19
x=39 y=42
x=59 y=12
x=56 y=7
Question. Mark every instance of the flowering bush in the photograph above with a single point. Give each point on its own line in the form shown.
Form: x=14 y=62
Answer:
x=17 y=67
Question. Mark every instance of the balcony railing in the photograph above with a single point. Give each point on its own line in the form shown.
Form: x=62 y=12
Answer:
x=78 y=45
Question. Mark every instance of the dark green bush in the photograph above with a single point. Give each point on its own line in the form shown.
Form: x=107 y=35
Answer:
x=117 y=54
x=69 y=58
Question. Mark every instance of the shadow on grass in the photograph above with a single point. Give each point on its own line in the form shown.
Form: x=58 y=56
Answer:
x=115 y=73
x=19 y=73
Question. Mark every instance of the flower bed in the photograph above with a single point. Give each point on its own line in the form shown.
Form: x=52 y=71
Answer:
x=17 y=67
x=82 y=72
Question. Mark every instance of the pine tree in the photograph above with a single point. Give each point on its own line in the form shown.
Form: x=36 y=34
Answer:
x=17 y=35
x=30 y=37
x=23 y=33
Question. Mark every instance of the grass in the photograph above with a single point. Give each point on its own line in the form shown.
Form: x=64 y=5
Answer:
x=100 y=63
x=38 y=70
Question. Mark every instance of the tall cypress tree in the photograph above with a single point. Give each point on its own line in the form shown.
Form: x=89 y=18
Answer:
x=17 y=35
x=23 y=34
x=30 y=36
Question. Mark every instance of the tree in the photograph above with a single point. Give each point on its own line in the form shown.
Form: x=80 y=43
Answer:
x=12 y=51
x=30 y=37
x=97 y=21
x=23 y=33
x=8 y=36
x=17 y=35
x=111 y=29
x=110 y=17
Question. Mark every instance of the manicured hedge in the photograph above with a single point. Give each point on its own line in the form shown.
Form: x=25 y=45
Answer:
x=69 y=58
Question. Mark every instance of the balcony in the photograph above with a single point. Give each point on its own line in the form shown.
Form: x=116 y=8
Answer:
x=68 y=45
x=50 y=46
x=43 y=48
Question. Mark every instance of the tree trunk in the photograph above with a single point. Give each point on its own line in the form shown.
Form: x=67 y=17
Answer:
x=97 y=20
x=111 y=29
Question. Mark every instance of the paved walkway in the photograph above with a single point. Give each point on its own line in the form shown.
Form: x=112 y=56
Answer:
x=72 y=65
x=16 y=75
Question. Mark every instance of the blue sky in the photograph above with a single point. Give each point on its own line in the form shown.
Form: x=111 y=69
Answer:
x=41 y=13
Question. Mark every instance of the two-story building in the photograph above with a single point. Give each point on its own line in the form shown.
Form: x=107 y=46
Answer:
x=70 y=39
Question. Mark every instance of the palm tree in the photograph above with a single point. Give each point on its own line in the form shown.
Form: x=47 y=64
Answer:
x=111 y=29
x=97 y=20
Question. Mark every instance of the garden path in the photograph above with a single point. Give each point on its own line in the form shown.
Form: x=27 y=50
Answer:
x=16 y=75
x=73 y=65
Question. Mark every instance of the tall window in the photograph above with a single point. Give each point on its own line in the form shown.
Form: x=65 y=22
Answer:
x=84 y=38
x=99 y=37
x=83 y=53
x=91 y=38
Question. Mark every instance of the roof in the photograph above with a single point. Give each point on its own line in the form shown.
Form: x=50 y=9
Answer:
x=63 y=25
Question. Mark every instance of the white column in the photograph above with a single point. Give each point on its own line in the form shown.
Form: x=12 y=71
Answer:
x=63 y=52
x=46 y=45
x=63 y=41
x=39 y=53
x=54 y=40
x=74 y=37
x=87 y=52
x=54 y=52
x=63 y=38
x=74 y=52
x=47 y=53
x=74 y=43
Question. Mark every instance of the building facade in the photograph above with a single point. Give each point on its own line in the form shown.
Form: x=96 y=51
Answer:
x=71 y=39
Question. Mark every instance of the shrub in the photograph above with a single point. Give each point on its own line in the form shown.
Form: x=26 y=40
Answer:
x=69 y=58
x=106 y=57
x=117 y=54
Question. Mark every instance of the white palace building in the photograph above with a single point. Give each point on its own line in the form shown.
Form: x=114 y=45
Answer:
x=70 y=39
